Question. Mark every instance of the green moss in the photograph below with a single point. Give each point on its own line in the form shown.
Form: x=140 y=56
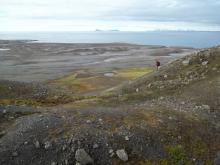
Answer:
x=178 y=154
x=5 y=102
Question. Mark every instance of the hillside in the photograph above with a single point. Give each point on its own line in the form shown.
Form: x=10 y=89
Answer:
x=170 y=116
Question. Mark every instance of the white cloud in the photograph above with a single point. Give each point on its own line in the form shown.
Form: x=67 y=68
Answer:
x=123 y=14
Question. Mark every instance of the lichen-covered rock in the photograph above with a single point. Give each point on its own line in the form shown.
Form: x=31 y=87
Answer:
x=82 y=157
x=205 y=63
x=162 y=87
x=206 y=107
x=186 y=63
x=126 y=138
x=122 y=155
x=207 y=55
x=190 y=73
x=37 y=144
x=95 y=146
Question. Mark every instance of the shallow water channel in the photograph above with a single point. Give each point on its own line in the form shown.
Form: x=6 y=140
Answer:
x=109 y=74
x=174 y=54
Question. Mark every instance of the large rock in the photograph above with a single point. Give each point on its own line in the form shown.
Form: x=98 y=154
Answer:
x=190 y=73
x=162 y=87
x=82 y=157
x=206 y=107
x=122 y=155
x=205 y=63
x=37 y=144
x=47 y=145
x=186 y=63
x=207 y=55
x=5 y=111
x=95 y=146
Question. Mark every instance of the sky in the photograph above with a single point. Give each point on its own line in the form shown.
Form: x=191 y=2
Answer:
x=124 y=15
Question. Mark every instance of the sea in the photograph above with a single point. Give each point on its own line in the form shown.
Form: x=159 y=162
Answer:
x=165 y=38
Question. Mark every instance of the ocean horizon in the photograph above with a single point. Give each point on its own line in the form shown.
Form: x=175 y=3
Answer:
x=195 y=39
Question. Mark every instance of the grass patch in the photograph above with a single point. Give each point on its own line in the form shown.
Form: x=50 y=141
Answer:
x=83 y=81
x=178 y=154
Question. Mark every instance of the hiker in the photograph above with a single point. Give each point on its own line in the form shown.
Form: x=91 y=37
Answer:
x=157 y=64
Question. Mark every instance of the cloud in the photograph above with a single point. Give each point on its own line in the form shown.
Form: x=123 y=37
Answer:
x=204 y=12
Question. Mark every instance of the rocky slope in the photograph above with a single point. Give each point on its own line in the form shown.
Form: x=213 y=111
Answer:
x=170 y=116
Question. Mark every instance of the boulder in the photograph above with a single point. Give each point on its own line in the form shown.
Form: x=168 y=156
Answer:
x=207 y=55
x=82 y=157
x=5 y=111
x=126 y=138
x=47 y=145
x=161 y=98
x=206 y=107
x=205 y=63
x=186 y=63
x=122 y=155
x=111 y=151
x=162 y=87
x=190 y=73
x=95 y=146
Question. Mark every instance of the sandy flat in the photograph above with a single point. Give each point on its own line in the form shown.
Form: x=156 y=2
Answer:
x=40 y=62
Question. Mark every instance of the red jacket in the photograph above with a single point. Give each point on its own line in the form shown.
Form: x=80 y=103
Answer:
x=157 y=63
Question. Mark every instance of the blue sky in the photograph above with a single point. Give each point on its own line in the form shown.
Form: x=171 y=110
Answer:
x=124 y=15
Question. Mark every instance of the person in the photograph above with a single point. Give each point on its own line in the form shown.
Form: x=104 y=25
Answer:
x=157 y=64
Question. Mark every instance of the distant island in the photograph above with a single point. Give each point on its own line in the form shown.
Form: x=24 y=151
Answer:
x=114 y=30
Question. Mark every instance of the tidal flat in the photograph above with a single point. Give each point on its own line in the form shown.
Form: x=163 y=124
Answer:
x=29 y=61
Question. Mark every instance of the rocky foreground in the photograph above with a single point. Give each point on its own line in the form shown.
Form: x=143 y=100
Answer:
x=166 y=117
